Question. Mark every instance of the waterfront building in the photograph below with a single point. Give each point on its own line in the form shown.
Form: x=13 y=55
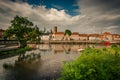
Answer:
x=116 y=37
x=45 y=37
x=58 y=36
x=94 y=37
x=107 y=36
x=83 y=37
x=75 y=36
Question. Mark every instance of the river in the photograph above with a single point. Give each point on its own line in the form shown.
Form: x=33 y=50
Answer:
x=42 y=63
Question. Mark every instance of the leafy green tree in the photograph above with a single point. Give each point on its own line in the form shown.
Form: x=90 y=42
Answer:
x=94 y=64
x=22 y=29
x=67 y=32
x=34 y=35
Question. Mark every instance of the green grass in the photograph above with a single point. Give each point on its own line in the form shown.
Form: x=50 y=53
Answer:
x=94 y=64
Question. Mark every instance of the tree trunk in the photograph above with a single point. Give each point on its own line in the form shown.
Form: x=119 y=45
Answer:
x=22 y=43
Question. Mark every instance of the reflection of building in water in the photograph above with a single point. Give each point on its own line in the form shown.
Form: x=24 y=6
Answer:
x=44 y=47
x=32 y=45
x=83 y=46
x=67 y=48
x=75 y=47
x=58 y=48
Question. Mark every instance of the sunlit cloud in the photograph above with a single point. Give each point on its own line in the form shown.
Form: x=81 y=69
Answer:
x=92 y=18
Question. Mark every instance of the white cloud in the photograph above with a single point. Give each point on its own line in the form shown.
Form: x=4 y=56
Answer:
x=37 y=14
x=92 y=17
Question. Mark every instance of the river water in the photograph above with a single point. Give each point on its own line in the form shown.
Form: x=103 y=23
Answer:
x=43 y=63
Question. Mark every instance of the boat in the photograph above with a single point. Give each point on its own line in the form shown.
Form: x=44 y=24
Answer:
x=80 y=49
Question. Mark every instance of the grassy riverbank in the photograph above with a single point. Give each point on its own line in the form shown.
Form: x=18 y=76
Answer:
x=94 y=64
x=4 y=54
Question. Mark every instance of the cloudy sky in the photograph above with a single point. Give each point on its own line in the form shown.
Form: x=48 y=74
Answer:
x=83 y=16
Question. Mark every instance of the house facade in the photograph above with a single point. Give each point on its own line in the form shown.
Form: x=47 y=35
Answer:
x=75 y=36
x=116 y=37
x=107 y=36
x=58 y=36
x=83 y=37
x=94 y=37
x=45 y=37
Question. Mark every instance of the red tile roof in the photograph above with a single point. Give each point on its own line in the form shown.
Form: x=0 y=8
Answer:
x=59 y=33
x=83 y=35
x=116 y=35
x=75 y=33
x=94 y=35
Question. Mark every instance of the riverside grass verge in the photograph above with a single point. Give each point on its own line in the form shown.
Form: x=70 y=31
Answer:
x=5 y=54
x=94 y=64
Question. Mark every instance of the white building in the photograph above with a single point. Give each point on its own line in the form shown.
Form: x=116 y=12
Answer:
x=94 y=37
x=45 y=37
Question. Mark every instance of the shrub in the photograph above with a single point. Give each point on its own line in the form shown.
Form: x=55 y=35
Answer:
x=94 y=64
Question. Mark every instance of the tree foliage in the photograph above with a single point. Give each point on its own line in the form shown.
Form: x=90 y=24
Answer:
x=21 y=29
x=67 y=32
x=94 y=64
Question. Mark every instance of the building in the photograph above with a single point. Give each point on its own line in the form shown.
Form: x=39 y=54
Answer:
x=58 y=36
x=75 y=36
x=83 y=37
x=116 y=37
x=45 y=37
x=107 y=36
x=94 y=37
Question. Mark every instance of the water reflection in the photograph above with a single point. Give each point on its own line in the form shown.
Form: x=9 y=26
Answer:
x=65 y=48
x=43 y=63
x=24 y=68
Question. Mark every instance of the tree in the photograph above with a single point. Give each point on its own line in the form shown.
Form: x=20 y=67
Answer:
x=22 y=29
x=34 y=35
x=67 y=32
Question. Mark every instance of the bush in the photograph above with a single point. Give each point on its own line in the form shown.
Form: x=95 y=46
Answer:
x=94 y=64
